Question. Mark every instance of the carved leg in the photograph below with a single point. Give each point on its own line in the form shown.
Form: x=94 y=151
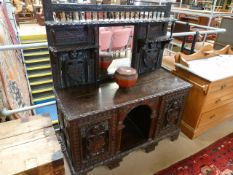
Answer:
x=151 y=147
x=113 y=164
x=174 y=137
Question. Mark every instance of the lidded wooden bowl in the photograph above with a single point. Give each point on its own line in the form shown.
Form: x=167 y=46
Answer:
x=126 y=77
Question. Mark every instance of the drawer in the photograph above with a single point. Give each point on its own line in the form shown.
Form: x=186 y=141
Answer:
x=190 y=77
x=217 y=100
x=221 y=85
x=197 y=82
x=216 y=115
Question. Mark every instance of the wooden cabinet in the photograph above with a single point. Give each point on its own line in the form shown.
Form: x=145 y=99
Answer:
x=100 y=125
x=211 y=98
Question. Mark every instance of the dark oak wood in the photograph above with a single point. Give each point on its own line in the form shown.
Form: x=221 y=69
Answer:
x=101 y=123
x=73 y=38
x=93 y=118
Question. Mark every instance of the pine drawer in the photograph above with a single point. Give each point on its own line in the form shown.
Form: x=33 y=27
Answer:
x=214 y=116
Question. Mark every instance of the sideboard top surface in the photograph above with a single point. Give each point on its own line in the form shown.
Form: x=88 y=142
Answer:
x=84 y=101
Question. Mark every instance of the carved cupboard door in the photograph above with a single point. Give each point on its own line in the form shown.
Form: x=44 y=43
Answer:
x=97 y=138
x=170 y=114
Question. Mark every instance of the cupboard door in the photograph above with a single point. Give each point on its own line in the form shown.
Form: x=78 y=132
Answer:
x=97 y=137
x=170 y=115
x=95 y=140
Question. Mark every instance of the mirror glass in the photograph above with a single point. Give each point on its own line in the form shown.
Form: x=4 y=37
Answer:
x=116 y=45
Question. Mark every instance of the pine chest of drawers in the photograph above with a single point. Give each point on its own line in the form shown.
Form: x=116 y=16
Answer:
x=210 y=101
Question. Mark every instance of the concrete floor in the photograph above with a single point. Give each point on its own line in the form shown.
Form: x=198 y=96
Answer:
x=165 y=154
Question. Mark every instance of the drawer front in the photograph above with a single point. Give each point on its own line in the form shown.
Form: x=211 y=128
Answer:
x=214 y=116
x=71 y=35
x=220 y=86
x=218 y=100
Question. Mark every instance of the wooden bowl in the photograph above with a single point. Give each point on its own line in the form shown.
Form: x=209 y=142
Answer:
x=126 y=77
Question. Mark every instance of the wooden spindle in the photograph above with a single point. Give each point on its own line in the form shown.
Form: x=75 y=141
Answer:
x=92 y=16
x=82 y=16
x=155 y=15
x=70 y=16
x=127 y=15
x=63 y=16
x=158 y=15
x=117 y=15
x=85 y=16
x=57 y=16
x=150 y=15
x=97 y=16
x=76 y=16
x=114 y=15
x=162 y=16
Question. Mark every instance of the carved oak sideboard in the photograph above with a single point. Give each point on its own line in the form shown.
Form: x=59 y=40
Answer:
x=102 y=124
x=99 y=122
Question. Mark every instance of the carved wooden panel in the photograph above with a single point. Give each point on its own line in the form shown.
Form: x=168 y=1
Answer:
x=72 y=27
x=71 y=35
x=171 y=109
x=156 y=30
x=94 y=118
x=95 y=140
x=76 y=67
x=150 y=56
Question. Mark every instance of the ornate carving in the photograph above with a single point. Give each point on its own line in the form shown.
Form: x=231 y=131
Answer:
x=170 y=115
x=96 y=139
x=99 y=138
x=92 y=127
x=151 y=55
x=77 y=67
x=71 y=35
x=75 y=27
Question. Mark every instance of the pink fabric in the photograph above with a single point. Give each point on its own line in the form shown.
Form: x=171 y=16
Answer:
x=101 y=15
x=131 y=36
x=103 y=28
x=116 y=28
x=88 y=15
x=120 y=38
x=105 y=38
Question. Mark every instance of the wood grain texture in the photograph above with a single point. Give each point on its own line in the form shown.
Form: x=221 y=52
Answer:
x=20 y=126
x=209 y=102
x=92 y=118
x=31 y=147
